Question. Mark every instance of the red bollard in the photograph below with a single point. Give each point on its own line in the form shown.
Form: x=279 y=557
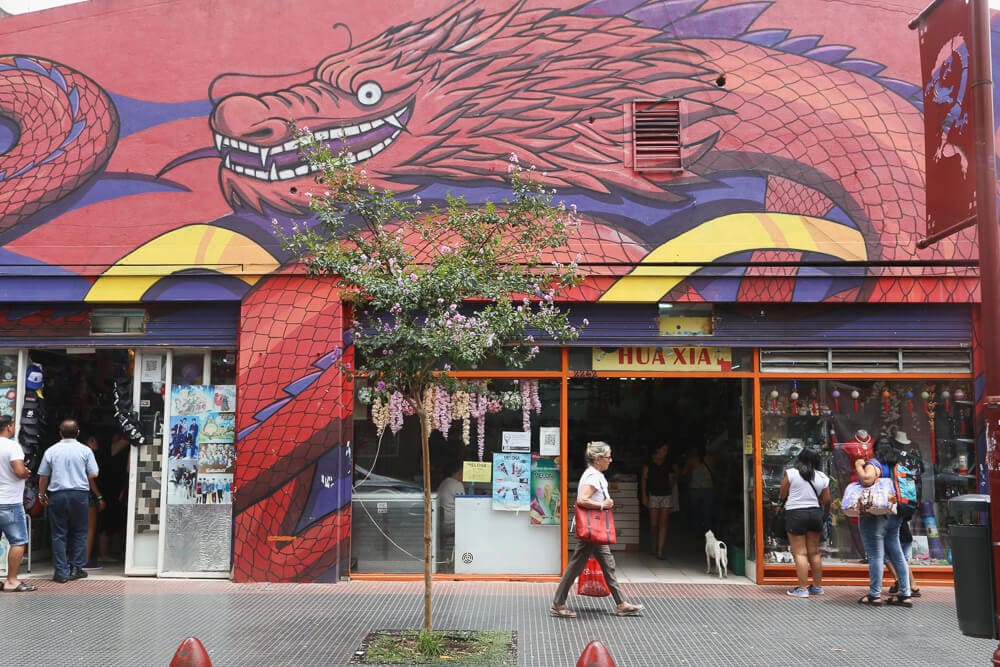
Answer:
x=595 y=655
x=191 y=653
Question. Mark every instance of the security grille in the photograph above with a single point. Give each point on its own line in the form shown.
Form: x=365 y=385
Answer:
x=866 y=360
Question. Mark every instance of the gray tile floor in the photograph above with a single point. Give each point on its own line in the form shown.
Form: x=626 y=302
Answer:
x=111 y=621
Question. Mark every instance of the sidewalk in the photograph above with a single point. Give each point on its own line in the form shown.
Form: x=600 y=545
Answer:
x=128 y=622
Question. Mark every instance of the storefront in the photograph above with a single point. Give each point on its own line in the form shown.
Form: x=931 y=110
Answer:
x=743 y=411
x=144 y=373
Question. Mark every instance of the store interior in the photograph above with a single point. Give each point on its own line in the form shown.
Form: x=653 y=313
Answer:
x=81 y=386
x=700 y=421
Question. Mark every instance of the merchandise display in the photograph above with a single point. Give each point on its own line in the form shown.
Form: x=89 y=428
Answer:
x=928 y=423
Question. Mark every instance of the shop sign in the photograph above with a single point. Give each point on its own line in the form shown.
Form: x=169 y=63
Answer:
x=665 y=358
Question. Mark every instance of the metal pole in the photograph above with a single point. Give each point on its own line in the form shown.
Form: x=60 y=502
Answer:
x=989 y=256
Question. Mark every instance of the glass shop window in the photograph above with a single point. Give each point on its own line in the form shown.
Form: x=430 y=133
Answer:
x=927 y=424
x=495 y=477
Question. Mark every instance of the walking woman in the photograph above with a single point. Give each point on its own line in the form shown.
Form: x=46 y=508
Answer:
x=592 y=493
x=805 y=493
x=658 y=496
x=880 y=533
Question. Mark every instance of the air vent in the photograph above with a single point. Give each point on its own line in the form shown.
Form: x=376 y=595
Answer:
x=657 y=135
x=866 y=360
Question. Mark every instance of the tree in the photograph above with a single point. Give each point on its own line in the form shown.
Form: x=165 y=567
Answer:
x=432 y=290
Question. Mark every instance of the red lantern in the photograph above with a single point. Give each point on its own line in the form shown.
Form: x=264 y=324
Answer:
x=855 y=395
x=885 y=400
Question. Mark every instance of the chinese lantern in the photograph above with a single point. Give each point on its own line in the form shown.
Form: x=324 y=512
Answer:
x=885 y=399
x=795 y=402
x=836 y=400
x=946 y=395
x=909 y=401
x=774 y=400
x=855 y=395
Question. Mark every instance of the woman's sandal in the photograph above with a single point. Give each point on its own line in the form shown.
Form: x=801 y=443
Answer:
x=914 y=592
x=869 y=600
x=900 y=601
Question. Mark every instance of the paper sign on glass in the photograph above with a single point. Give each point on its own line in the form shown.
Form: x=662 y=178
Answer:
x=511 y=482
x=477 y=471
x=548 y=441
x=516 y=441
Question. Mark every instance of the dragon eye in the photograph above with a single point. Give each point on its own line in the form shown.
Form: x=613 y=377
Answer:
x=369 y=93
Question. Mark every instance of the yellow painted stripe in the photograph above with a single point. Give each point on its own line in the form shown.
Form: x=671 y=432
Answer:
x=735 y=233
x=193 y=247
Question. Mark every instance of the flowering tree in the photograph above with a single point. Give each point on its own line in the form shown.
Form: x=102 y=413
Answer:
x=435 y=289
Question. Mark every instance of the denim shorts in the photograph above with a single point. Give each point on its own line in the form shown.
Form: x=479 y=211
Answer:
x=13 y=524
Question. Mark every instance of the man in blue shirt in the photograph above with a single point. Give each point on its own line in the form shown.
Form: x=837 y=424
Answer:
x=67 y=472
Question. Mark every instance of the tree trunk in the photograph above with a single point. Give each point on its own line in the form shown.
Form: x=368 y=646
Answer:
x=425 y=454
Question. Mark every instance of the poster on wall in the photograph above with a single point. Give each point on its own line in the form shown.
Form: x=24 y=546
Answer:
x=191 y=399
x=184 y=433
x=224 y=398
x=216 y=457
x=218 y=427
x=182 y=478
x=545 y=497
x=476 y=471
x=511 y=475
x=214 y=490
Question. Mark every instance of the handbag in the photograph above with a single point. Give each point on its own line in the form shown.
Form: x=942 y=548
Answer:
x=595 y=526
x=591 y=581
x=879 y=498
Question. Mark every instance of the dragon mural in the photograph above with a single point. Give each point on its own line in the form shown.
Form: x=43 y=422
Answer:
x=803 y=166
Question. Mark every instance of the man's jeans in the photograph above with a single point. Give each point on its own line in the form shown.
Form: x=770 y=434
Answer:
x=68 y=523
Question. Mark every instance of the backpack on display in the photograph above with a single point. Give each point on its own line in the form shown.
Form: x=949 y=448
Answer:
x=907 y=500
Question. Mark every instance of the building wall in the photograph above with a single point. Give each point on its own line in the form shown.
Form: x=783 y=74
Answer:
x=126 y=121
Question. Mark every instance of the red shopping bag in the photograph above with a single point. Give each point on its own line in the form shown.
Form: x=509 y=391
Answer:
x=591 y=581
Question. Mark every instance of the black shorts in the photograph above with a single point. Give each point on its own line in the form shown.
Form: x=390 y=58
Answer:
x=802 y=521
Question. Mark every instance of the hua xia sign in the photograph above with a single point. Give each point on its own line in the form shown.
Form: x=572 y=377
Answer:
x=684 y=358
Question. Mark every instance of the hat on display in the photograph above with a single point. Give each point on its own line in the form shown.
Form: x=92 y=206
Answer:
x=29 y=416
x=901 y=438
x=34 y=379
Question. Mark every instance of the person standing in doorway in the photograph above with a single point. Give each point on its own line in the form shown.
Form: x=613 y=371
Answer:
x=701 y=492
x=657 y=487
x=13 y=524
x=67 y=472
x=592 y=493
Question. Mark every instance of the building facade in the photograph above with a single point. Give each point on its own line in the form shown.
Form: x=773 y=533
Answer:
x=750 y=178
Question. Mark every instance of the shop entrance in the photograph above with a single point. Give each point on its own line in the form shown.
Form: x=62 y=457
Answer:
x=701 y=421
x=80 y=386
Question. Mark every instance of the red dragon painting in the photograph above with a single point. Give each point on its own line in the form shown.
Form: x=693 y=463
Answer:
x=791 y=142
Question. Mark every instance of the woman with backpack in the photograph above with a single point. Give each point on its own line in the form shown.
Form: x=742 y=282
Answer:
x=805 y=493
x=907 y=502
x=880 y=534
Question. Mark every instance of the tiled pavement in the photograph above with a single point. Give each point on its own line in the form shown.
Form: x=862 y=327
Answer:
x=140 y=622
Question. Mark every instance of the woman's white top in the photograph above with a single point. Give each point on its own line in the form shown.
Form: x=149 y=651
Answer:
x=799 y=495
x=595 y=478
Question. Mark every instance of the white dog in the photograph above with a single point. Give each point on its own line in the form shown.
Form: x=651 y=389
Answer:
x=716 y=550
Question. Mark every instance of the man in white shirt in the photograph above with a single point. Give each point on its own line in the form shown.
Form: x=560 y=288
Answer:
x=13 y=524
x=68 y=471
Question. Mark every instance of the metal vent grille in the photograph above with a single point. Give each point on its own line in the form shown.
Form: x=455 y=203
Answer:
x=657 y=135
x=866 y=360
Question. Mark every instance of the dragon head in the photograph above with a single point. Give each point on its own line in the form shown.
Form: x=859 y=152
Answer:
x=446 y=97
